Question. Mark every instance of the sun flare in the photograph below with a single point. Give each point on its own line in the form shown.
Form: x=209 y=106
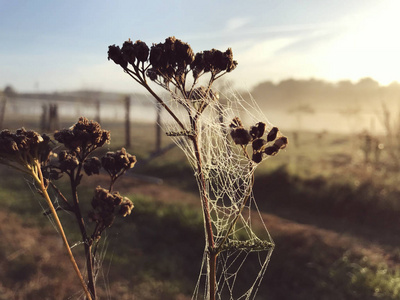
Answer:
x=370 y=46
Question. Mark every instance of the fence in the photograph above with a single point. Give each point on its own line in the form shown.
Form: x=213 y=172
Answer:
x=50 y=112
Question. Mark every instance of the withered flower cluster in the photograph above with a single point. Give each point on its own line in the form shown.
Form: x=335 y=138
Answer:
x=24 y=147
x=92 y=166
x=106 y=206
x=214 y=61
x=172 y=59
x=83 y=137
x=117 y=163
x=243 y=137
x=67 y=161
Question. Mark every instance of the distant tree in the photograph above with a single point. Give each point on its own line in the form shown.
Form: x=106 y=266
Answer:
x=9 y=91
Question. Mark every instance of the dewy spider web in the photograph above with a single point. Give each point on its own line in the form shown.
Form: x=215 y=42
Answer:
x=229 y=176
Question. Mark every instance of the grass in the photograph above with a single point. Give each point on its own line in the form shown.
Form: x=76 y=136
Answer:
x=334 y=224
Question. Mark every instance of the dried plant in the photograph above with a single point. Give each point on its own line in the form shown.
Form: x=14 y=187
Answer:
x=35 y=155
x=223 y=167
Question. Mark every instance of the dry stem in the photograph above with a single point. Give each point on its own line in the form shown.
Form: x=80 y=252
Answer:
x=37 y=175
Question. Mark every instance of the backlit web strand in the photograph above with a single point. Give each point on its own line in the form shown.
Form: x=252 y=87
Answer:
x=228 y=173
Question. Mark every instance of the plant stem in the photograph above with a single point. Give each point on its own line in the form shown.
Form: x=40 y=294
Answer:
x=213 y=274
x=38 y=176
x=82 y=228
x=143 y=82
x=212 y=254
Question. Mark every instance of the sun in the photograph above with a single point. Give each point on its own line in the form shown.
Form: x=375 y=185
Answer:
x=370 y=47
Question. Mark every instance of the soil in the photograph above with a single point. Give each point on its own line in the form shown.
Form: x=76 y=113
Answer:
x=24 y=246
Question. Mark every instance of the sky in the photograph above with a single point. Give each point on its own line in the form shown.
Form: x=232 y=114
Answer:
x=56 y=46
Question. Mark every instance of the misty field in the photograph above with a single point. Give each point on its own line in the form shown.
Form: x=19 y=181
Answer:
x=331 y=207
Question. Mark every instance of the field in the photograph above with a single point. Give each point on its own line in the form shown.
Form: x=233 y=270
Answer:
x=332 y=213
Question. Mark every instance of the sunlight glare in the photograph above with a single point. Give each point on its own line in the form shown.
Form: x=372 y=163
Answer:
x=371 y=47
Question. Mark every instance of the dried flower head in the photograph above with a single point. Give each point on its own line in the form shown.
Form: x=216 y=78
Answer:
x=241 y=136
x=83 y=137
x=105 y=207
x=67 y=161
x=116 y=163
x=115 y=54
x=258 y=130
x=272 y=134
x=215 y=61
x=257 y=144
x=126 y=207
x=279 y=144
x=128 y=52
x=257 y=157
x=92 y=166
x=24 y=147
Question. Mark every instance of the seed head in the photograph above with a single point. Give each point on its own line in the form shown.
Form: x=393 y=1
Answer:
x=116 y=163
x=67 y=161
x=128 y=52
x=106 y=206
x=184 y=53
x=257 y=157
x=257 y=144
x=272 y=134
x=281 y=142
x=126 y=207
x=84 y=136
x=198 y=65
x=258 y=130
x=141 y=51
x=92 y=166
x=156 y=56
x=24 y=147
x=115 y=54
x=241 y=136
x=271 y=150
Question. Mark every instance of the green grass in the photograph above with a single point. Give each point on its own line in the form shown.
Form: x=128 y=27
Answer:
x=156 y=252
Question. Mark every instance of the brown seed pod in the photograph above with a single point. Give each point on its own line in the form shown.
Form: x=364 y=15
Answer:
x=272 y=134
x=92 y=166
x=241 y=136
x=281 y=142
x=271 y=150
x=258 y=130
x=257 y=157
x=258 y=143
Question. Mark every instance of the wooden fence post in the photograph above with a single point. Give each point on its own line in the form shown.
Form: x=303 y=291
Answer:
x=3 y=110
x=127 y=121
x=43 y=118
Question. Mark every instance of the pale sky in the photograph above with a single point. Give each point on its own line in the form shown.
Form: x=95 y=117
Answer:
x=48 y=45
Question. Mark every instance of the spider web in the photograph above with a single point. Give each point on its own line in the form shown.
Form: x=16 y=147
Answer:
x=228 y=172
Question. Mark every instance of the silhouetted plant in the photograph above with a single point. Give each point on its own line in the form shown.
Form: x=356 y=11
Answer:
x=168 y=65
x=34 y=154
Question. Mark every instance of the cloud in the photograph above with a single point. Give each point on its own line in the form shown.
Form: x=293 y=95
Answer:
x=236 y=23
